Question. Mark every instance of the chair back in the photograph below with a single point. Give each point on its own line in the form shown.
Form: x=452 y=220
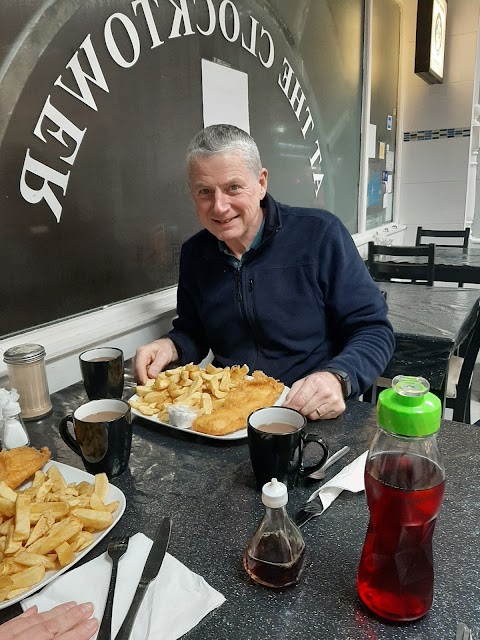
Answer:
x=463 y=235
x=469 y=350
x=420 y=269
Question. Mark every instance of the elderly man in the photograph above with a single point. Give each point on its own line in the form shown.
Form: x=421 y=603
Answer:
x=281 y=289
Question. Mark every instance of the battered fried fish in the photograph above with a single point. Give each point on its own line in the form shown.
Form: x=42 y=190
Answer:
x=250 y=395
x=17 y=465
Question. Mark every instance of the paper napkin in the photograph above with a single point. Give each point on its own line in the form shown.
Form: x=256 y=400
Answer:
x=175 y=601
x=350 y=478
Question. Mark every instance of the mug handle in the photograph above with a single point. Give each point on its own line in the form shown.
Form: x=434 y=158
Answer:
x=66 y=435
x=311 y=438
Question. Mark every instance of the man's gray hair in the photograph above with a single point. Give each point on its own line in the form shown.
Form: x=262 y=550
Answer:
x=224 y=138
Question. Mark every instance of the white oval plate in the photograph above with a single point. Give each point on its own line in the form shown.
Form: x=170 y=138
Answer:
x=236 y=435
x=73 y=475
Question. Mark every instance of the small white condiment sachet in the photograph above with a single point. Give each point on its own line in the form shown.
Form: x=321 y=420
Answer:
x=175 y=601
x=350 y=478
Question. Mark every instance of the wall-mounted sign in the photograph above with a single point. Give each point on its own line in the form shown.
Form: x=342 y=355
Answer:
x=430 y=40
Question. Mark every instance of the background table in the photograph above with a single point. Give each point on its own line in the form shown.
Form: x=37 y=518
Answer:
x=454 y=265
x=429 y=324
x=207 y=488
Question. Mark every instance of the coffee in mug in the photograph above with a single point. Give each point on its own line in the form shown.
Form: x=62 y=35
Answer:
x=277 y=427
x=103 y=435
x=102 y=372
x=276 y=442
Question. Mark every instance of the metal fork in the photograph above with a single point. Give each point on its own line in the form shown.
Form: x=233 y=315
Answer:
x=309 y=511
x=116 y=549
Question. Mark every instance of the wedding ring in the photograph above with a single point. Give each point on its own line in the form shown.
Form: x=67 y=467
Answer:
x=318 y=412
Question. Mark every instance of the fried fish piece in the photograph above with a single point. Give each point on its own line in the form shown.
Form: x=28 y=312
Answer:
x=17 y=465
x=232 y=415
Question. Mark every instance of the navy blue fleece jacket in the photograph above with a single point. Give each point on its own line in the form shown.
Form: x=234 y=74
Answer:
x=299 y=302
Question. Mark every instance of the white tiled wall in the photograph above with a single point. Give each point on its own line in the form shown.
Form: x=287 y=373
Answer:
x=433 y=180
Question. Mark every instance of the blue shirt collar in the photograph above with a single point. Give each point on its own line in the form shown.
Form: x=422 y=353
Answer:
x=255 y=244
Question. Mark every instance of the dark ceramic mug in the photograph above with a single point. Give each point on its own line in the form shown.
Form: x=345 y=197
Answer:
x=102 y=372
x=276 y=441
x=103 y=435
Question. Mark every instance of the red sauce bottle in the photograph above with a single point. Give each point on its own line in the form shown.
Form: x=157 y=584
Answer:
x=404 y=485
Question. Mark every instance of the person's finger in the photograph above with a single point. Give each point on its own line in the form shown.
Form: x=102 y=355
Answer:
x=54 y=623
x=291 y=394
x=141 y=360
x=84 y=631
x=29 y=612
x=301 y=392
x=319 y=413
x=159 y=363
x=25 y=621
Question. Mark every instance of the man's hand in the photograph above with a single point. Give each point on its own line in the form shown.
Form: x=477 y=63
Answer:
x=153 y=358
x=68 y=621
x=318 y=396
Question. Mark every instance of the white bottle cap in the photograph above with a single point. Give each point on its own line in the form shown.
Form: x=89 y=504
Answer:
x=274 y=494
x=11 y=409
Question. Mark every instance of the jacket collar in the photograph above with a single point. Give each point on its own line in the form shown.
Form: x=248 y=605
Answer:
x=272 y=216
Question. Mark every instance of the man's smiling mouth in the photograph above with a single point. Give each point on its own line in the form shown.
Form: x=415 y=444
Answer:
x=225 y=221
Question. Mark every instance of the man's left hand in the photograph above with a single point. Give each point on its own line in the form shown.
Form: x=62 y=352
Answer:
x=317 y=396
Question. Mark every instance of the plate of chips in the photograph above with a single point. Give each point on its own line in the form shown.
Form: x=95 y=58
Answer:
x=50 y=523
x=182 y=394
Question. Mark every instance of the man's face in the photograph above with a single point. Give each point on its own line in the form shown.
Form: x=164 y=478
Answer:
x=227 y=198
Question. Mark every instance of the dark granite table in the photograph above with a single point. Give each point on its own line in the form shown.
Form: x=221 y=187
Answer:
x=429 y=324
x=207 y=488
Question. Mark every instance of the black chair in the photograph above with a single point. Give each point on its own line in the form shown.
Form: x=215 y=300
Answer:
x=420 y=270
x=460 y=374
x=458 y=386
x=462 y=235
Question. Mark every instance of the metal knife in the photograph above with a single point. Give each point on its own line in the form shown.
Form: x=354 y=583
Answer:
x=150 y=571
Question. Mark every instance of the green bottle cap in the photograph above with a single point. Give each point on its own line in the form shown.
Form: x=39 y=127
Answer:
x=408 y=408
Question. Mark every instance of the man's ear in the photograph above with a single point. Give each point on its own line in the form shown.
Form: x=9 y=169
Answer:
x=263 y=179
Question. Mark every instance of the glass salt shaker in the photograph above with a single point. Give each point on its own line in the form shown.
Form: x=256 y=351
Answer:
x=275 y=555
x=27 y=373
x=14 y=432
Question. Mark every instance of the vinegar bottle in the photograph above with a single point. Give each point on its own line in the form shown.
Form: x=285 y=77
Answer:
x=276 y=553
x=404 y=485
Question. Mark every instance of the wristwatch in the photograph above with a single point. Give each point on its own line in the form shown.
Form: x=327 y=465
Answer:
x=344 y=380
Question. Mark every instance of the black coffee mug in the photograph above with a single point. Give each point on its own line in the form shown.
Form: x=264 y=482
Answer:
x=103 y=435
x=276 y=441
x=102 y=372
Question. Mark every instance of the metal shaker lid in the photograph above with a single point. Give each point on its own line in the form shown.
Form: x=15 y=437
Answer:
x=24 y=354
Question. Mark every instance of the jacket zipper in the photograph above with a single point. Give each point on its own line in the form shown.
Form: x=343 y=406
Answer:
x=238 y=285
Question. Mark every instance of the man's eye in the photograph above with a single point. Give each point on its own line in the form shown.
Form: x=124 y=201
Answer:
x=234 y=187
x=204 y=192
